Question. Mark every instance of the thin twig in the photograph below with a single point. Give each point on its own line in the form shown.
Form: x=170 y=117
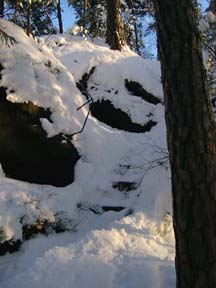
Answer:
x=89 y=100
x=83 y=125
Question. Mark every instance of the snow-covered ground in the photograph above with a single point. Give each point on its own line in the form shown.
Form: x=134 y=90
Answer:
x=132 y=248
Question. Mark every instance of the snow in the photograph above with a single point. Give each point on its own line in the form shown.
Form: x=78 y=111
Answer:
x=127 y=254
x=126 y=249
x=44 y=81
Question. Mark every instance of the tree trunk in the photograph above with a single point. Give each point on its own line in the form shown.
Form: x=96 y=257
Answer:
x=1 y=8
x=84 y=13
x=191 y=140
x=16 y=11
x=28 y=25
x=59 y=16
x=136 y=37
x=130 y=6
x=115 y=32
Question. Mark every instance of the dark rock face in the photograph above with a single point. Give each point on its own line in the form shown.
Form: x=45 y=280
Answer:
x=82 y=85
x=10 y=247
x=26 y=153
x=105 y=112
x=98 y=209
x=125 y=186
x=137 y=90
x=40 y=226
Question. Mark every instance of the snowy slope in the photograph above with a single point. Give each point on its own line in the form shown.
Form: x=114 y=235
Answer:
x=130 y=248
x=33 y=74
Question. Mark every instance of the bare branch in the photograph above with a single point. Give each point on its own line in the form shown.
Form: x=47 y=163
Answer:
x=6 y=39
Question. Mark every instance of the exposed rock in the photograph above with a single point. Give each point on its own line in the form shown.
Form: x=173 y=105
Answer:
x=98 y=209
x=82 y=85
x=25 y=151
x=113 y=208
x=9 y=246
x=105 y=112
x=137 y=90
x=41 y=226
x=124 y=186
x=45 y=227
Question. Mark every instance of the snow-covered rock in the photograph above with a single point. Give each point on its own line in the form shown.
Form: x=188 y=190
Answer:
x=131 y=248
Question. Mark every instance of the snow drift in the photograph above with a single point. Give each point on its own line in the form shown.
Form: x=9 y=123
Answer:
x=128 y=247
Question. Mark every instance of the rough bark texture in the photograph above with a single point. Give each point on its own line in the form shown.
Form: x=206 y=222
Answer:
x=59 y=16
x=191 y=142
x=28 y=20
x=115 y=32
x=84 y=13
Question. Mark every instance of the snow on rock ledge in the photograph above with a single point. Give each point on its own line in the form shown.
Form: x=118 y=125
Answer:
x=32 y=73
x=108 y=249
x=35 y=79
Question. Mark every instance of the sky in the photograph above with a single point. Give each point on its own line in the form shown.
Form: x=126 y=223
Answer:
x=204 y=3
x=69 y=16
x=150 y=42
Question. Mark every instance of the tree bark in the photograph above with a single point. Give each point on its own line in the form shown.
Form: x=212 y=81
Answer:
x=84 y=13
x=28 y=25
x=115 y=32
x=59 y=16
x=136 y=37
x=1 y=8
x=191 y=141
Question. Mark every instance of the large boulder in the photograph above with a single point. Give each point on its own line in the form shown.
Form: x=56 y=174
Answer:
x=25 y=151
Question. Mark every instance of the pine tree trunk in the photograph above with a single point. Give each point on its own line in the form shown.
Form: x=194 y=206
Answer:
x=115 y=32
x=84 y=13
x=28 y=25
x=1 y=8
x=59 y=16
x=191 y=140
x=16 y=13
x=136 y=37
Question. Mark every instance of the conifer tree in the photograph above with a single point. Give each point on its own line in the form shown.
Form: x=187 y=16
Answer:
x=115 y=32
x=91 y=16
x=34 y=16
x=191 y=135
x=59 y=16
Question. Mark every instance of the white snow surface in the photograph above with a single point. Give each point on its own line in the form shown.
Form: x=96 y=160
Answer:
x=132 y=248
